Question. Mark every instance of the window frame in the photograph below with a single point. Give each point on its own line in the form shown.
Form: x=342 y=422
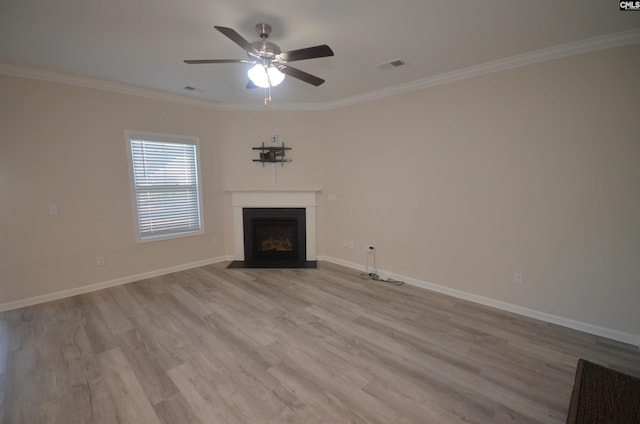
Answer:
x=132 y=135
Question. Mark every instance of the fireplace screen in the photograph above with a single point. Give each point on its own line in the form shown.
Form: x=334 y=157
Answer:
x=274 y=234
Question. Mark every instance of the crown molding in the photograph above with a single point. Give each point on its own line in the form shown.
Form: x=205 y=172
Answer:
x=276 y=106
x=104 y=85
x=556 y=52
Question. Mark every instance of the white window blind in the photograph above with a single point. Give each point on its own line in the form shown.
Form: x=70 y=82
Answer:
x=165 y=180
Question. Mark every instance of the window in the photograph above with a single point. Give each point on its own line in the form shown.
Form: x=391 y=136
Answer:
x=166 y=189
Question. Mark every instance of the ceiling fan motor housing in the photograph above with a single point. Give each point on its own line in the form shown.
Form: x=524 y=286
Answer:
x=264 y=49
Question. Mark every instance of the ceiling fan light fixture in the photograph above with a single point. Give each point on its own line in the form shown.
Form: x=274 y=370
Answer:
x=258 y=75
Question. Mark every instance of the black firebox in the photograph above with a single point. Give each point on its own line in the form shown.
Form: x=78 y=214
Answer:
x=274 y=238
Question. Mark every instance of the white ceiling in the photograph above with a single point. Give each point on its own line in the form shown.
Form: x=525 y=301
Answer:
x=143 y=42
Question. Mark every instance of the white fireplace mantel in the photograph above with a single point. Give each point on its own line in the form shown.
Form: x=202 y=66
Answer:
x=273 y=199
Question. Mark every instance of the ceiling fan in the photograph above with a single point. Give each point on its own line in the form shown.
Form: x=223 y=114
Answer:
x=270 y=63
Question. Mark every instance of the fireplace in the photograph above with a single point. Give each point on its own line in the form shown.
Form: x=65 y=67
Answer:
x=281 y=207
x=275 y=238
x=274 y=234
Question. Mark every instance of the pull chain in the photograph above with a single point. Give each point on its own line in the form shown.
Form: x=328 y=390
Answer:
x=267 y=96
x=267 y=90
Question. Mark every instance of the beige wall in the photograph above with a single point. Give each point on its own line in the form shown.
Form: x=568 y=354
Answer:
x=303 y=131
x=533 y=170
x=66 y=145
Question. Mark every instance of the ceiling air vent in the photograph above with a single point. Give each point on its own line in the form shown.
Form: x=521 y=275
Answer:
x=190 y=88
x=391 y=64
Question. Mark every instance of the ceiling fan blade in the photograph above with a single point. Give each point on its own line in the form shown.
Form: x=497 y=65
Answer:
x=195 y=62
x=308 y=53
x=301 y=75
x=235 y=37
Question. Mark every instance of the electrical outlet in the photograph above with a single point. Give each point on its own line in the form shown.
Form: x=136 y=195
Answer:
x=517 y=278
x=100 y=261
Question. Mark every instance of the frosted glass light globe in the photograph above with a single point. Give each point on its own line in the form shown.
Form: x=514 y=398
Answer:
x=258 y=76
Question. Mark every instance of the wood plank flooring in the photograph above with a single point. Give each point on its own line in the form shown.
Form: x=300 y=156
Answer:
x=211 y=345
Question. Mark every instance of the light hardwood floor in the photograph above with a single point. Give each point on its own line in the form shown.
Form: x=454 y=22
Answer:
x=212 y=345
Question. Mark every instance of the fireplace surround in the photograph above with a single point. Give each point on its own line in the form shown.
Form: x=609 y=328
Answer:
x=273 y=213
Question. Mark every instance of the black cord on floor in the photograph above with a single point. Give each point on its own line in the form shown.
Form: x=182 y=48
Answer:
x=373 y=274
x=376 y=277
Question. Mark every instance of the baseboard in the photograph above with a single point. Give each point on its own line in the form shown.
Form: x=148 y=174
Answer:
x=608 y=333
x=106 y=284
x=632 y=339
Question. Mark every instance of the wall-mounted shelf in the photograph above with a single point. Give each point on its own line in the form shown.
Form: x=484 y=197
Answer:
x=272 y=154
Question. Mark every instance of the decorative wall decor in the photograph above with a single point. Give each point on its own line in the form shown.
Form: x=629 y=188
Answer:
x=272 y=154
